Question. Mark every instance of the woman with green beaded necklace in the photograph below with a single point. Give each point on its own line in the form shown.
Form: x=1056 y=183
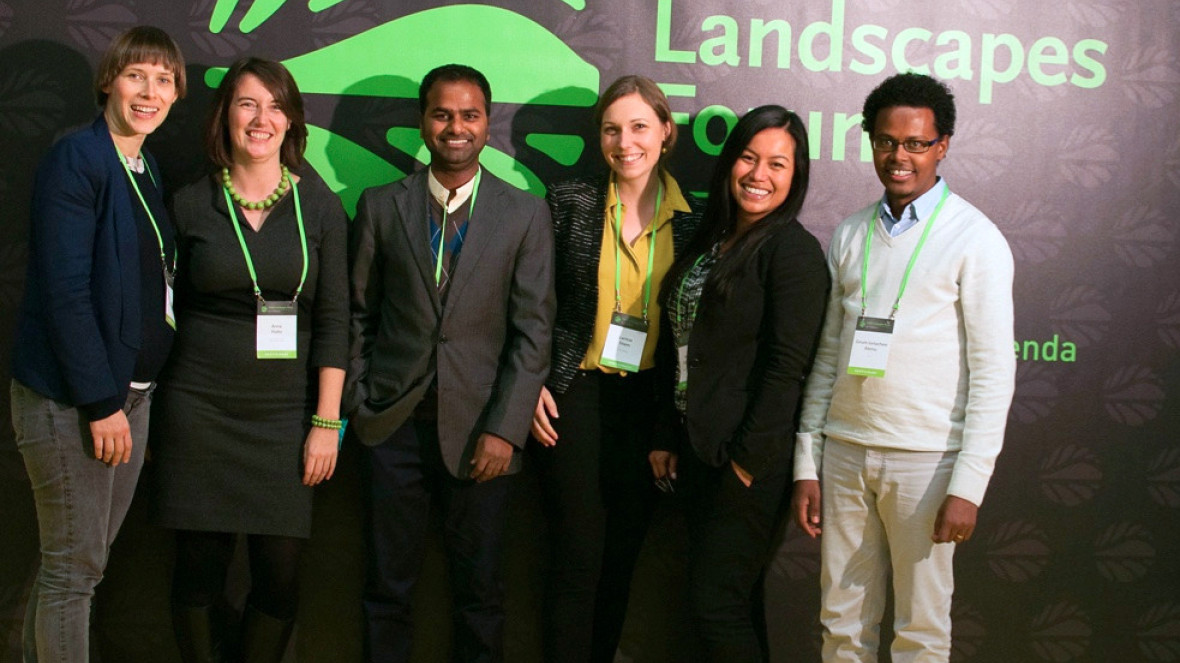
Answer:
x=249 y=411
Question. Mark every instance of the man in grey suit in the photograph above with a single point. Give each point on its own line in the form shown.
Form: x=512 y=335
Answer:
x=453 y=306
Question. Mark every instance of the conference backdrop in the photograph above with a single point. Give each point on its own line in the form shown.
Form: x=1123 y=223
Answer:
x=1067 y=137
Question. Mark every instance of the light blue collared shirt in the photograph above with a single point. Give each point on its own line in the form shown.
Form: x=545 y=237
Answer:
x=911 y=214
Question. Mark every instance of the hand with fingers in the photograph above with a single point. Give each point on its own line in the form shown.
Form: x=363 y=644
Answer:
x=112 y=439
x=663 y=469
x=805 y=506
x=492 y=456
x=542 y=427
x=955 y=522
x=319 y=455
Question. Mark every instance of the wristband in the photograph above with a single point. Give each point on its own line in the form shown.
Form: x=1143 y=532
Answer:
x=331 y=424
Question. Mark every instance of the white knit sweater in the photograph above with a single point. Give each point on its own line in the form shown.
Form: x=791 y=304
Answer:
x=951 y=370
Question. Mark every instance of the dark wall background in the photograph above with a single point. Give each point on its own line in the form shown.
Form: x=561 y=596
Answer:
x=1072 y=149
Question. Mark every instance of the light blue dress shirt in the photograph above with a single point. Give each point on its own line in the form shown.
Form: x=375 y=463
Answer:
x=911 y=214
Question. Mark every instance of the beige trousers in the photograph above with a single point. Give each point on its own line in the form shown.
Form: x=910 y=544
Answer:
x=879 y=507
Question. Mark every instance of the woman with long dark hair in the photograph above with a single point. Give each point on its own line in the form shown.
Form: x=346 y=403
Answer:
x=249 y=408
x=744 y=304
x=616 y=236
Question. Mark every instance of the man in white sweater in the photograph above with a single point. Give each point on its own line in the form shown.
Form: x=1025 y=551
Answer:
x=904 y=411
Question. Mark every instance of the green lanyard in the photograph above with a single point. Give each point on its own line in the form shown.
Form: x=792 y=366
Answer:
x=442 y=231
x=864 y=269
x=678 y=309
x=229 y=203
x=651 y=252
x=147 y=210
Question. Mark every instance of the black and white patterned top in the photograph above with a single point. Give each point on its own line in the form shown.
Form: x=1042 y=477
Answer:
x=684 y=312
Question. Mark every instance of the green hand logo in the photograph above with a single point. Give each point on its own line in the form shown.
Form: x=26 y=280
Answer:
x=388 y=61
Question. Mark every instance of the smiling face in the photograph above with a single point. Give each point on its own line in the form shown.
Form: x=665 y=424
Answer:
x=138 y=99
x=257 y=123
x=455 y=130
x=761 y=177
x=907 y=176
x=632 y=137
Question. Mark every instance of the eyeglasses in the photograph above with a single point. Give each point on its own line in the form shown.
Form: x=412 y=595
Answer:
x=912 y=145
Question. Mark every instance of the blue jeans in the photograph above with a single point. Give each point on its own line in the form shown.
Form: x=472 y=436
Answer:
x=81 y=503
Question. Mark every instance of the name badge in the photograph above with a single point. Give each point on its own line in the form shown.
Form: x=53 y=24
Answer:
x=682 y=371
x=870 y=347
x=278 y=330
x=169 y=316
x=624 y=342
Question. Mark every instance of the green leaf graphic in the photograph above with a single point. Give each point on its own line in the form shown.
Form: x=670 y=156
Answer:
x=479 y=35
x=347 y=168
x=563 y=149
x=259 y=13
x=321 y=5
x=220 y=16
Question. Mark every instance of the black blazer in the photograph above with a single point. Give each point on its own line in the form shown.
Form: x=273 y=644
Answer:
x=578 y=208
x=488 y=347
x=79 y=330
x=750 y=350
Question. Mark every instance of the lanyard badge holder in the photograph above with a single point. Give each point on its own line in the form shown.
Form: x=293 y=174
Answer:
x=277 y=323
x=442 y=229
x=627 y=334
x=169 y=272
x=872 y=337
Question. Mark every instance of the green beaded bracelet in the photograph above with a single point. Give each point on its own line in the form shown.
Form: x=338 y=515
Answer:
x=321 y=422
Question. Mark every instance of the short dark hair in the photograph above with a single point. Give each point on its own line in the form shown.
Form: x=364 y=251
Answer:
x=454 y=73
x=649 y=91
x=143 y=43
x=279 y=82
x=915 y=91
x=720 y=218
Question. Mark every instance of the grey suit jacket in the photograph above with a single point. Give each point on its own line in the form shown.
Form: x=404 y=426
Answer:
x=488 y=347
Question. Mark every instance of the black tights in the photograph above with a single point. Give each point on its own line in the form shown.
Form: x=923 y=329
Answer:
x=202 y=562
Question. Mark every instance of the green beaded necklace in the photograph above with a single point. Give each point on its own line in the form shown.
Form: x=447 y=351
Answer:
x=266 y=203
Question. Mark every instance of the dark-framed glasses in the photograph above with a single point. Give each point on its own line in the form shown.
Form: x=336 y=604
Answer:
x=911 y=145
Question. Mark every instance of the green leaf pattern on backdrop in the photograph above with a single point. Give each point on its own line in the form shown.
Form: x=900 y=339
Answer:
x=1167 y=315
x=1134 y=395
x=1080 y=314
x=1070 y=475
x=1124 y=552
x=30 y=102
x=1151 y=77
x=1163 y=478
x=1088 y=157
x=1037 y=393
x=1036 y=231
x=93 y=26
x=1061 y=632
x=1159 y=633
x=1143 y=237
x=1017 y=551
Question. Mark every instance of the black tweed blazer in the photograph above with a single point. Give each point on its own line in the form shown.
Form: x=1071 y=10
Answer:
x=577 y=207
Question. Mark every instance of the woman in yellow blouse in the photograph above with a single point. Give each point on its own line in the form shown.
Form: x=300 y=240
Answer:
x=616 y=235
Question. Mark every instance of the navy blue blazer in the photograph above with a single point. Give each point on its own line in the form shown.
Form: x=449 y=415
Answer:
x=79 y=328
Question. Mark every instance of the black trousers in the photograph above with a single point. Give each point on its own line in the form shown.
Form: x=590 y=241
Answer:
x=732 y=530
x=599 y=496
x=406 y=479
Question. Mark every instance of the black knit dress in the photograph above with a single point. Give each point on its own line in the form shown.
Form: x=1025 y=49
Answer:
x=228 y=428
